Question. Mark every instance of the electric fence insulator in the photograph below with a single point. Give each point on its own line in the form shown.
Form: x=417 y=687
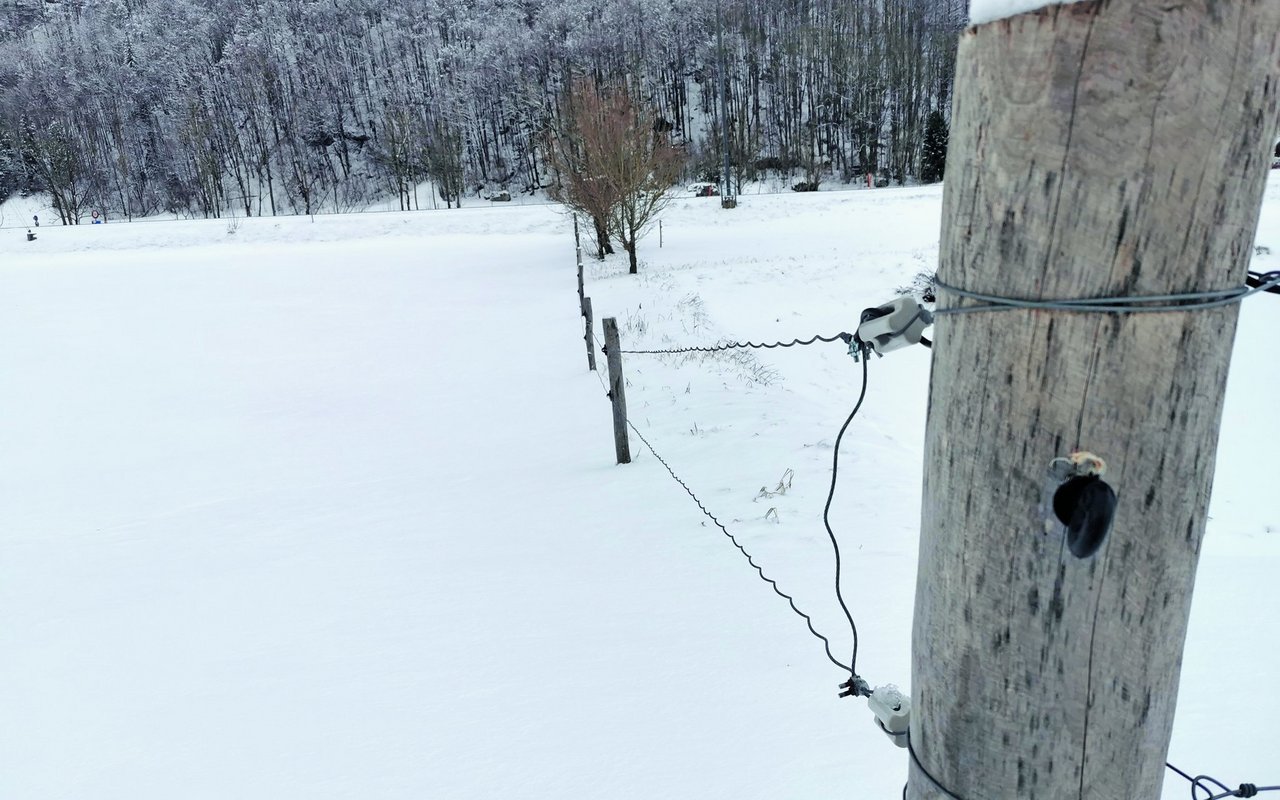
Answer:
x=891 y=326
x=893 y=712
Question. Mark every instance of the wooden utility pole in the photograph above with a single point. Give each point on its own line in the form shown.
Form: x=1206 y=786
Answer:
x=1101 y=148
x=617 y=390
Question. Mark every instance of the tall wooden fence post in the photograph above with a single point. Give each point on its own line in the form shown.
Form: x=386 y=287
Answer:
x=591 y=345
x=613 y=352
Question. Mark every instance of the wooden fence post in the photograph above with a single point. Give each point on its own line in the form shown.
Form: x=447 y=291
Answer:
x=581 y=293
x=613 y=352
x=591 y=345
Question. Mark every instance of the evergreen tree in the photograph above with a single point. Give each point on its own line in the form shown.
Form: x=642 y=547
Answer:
x=933 y=156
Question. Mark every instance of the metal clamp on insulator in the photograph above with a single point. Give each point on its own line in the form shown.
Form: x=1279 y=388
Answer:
x=892 y=326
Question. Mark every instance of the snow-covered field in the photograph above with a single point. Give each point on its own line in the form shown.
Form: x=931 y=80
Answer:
x=329 y=509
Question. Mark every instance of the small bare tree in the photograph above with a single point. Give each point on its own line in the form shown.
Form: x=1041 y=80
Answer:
x=443 y=161
x=641 y=164
x=574 y=158
x=613 y=164
x=54 y=155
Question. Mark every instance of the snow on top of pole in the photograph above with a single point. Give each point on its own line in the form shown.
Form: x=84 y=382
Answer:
x=981 y=11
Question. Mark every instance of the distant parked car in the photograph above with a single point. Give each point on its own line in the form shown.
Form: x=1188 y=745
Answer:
x=500 y=197
x=703 y=189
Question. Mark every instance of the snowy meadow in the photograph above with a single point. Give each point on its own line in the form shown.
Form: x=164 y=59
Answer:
x=327 y=508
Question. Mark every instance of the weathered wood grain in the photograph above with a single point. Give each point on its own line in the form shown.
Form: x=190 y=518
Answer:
x=1099 y=148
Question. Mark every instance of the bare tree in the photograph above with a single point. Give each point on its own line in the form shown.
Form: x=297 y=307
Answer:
x=614 y=164
x=399 y=143
x=572 y=153
x=640 y=163
x=57 y=159
x=443 y=157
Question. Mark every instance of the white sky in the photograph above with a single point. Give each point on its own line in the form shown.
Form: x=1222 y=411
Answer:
x=981 y=11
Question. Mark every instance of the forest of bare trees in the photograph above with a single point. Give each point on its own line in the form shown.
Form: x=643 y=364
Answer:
x=260 y=107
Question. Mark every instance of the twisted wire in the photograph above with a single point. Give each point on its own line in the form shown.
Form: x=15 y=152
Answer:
x=1127 y=304
x=1199 y=781
x=750 y=559
x=845 y=337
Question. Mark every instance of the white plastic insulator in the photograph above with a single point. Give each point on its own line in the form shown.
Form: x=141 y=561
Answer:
x=900 y=324
x=893 y=712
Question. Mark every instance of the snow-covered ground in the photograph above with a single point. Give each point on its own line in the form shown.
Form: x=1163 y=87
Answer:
x=329 y=509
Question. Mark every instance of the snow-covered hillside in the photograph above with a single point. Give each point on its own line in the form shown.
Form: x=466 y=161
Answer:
x=296 y=509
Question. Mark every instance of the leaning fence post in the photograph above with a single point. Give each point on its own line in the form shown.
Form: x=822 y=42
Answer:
x=613 y=351
x=591 y=346
x=581 y=293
